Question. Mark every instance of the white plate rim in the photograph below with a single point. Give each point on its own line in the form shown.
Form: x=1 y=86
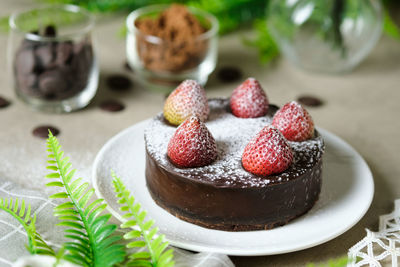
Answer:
x=243 y=252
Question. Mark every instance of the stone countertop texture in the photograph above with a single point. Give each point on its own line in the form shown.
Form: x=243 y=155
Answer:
x=361 y=107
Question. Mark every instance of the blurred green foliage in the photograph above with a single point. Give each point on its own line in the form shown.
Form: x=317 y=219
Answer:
x=390 y=27
x=263 y=42
x=232 y=14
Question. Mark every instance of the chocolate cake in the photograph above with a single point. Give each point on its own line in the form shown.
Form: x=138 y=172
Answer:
x=223 y=195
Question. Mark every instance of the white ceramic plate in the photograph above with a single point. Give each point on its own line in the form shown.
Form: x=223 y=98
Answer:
x=347 y=192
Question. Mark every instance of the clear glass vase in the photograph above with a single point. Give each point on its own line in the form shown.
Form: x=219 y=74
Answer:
x=330 y=36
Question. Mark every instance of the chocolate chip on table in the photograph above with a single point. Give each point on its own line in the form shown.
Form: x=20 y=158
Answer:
x=119 y=82
x=43 y=131
x=310 y=101
x=4 y=102
x=229 y=74
x=112 y=105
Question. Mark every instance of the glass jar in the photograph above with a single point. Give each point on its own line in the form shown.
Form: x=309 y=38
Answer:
x=162 y=64
x=51 y=56
x=330 y=36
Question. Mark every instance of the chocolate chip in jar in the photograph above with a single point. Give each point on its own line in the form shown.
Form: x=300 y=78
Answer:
x=25 y=61
x=44 y=55
x=51 y=83
x=50 y=31
x=64 y=53
x=83 y=49
x=80 y=69
x=82 y=57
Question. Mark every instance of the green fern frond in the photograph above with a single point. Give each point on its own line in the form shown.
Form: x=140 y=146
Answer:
x=22 y=213
x=156 y=254
x=339 y=262
x=93 y=242
x=59 y=256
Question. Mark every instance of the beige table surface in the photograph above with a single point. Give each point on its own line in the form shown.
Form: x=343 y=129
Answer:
x=361 y=107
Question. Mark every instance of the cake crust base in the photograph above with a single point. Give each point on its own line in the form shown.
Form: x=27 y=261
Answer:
x=225 y=227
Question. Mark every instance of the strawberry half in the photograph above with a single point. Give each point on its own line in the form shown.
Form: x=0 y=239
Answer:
x=192 y=144
x=294 y=122
x=188 y=99
x=249 y=100
x=267 y=153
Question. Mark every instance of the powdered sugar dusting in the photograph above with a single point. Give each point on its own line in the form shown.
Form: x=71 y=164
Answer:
x=231 y=135
x=188 y=99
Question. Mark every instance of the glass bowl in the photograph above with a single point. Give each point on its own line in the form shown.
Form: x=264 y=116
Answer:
x=51 y=57
x=331 y=36
x=162 y=64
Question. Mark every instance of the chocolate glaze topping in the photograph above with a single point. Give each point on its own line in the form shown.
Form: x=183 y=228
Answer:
x=232 y=135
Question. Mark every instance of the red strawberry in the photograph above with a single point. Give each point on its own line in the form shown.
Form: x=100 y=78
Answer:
x=249 y=100
x=294 y=122
x=188 y=99
x=192 y=144
x=267 y=153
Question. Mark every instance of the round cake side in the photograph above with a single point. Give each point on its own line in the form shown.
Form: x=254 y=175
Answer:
x=224 y=196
